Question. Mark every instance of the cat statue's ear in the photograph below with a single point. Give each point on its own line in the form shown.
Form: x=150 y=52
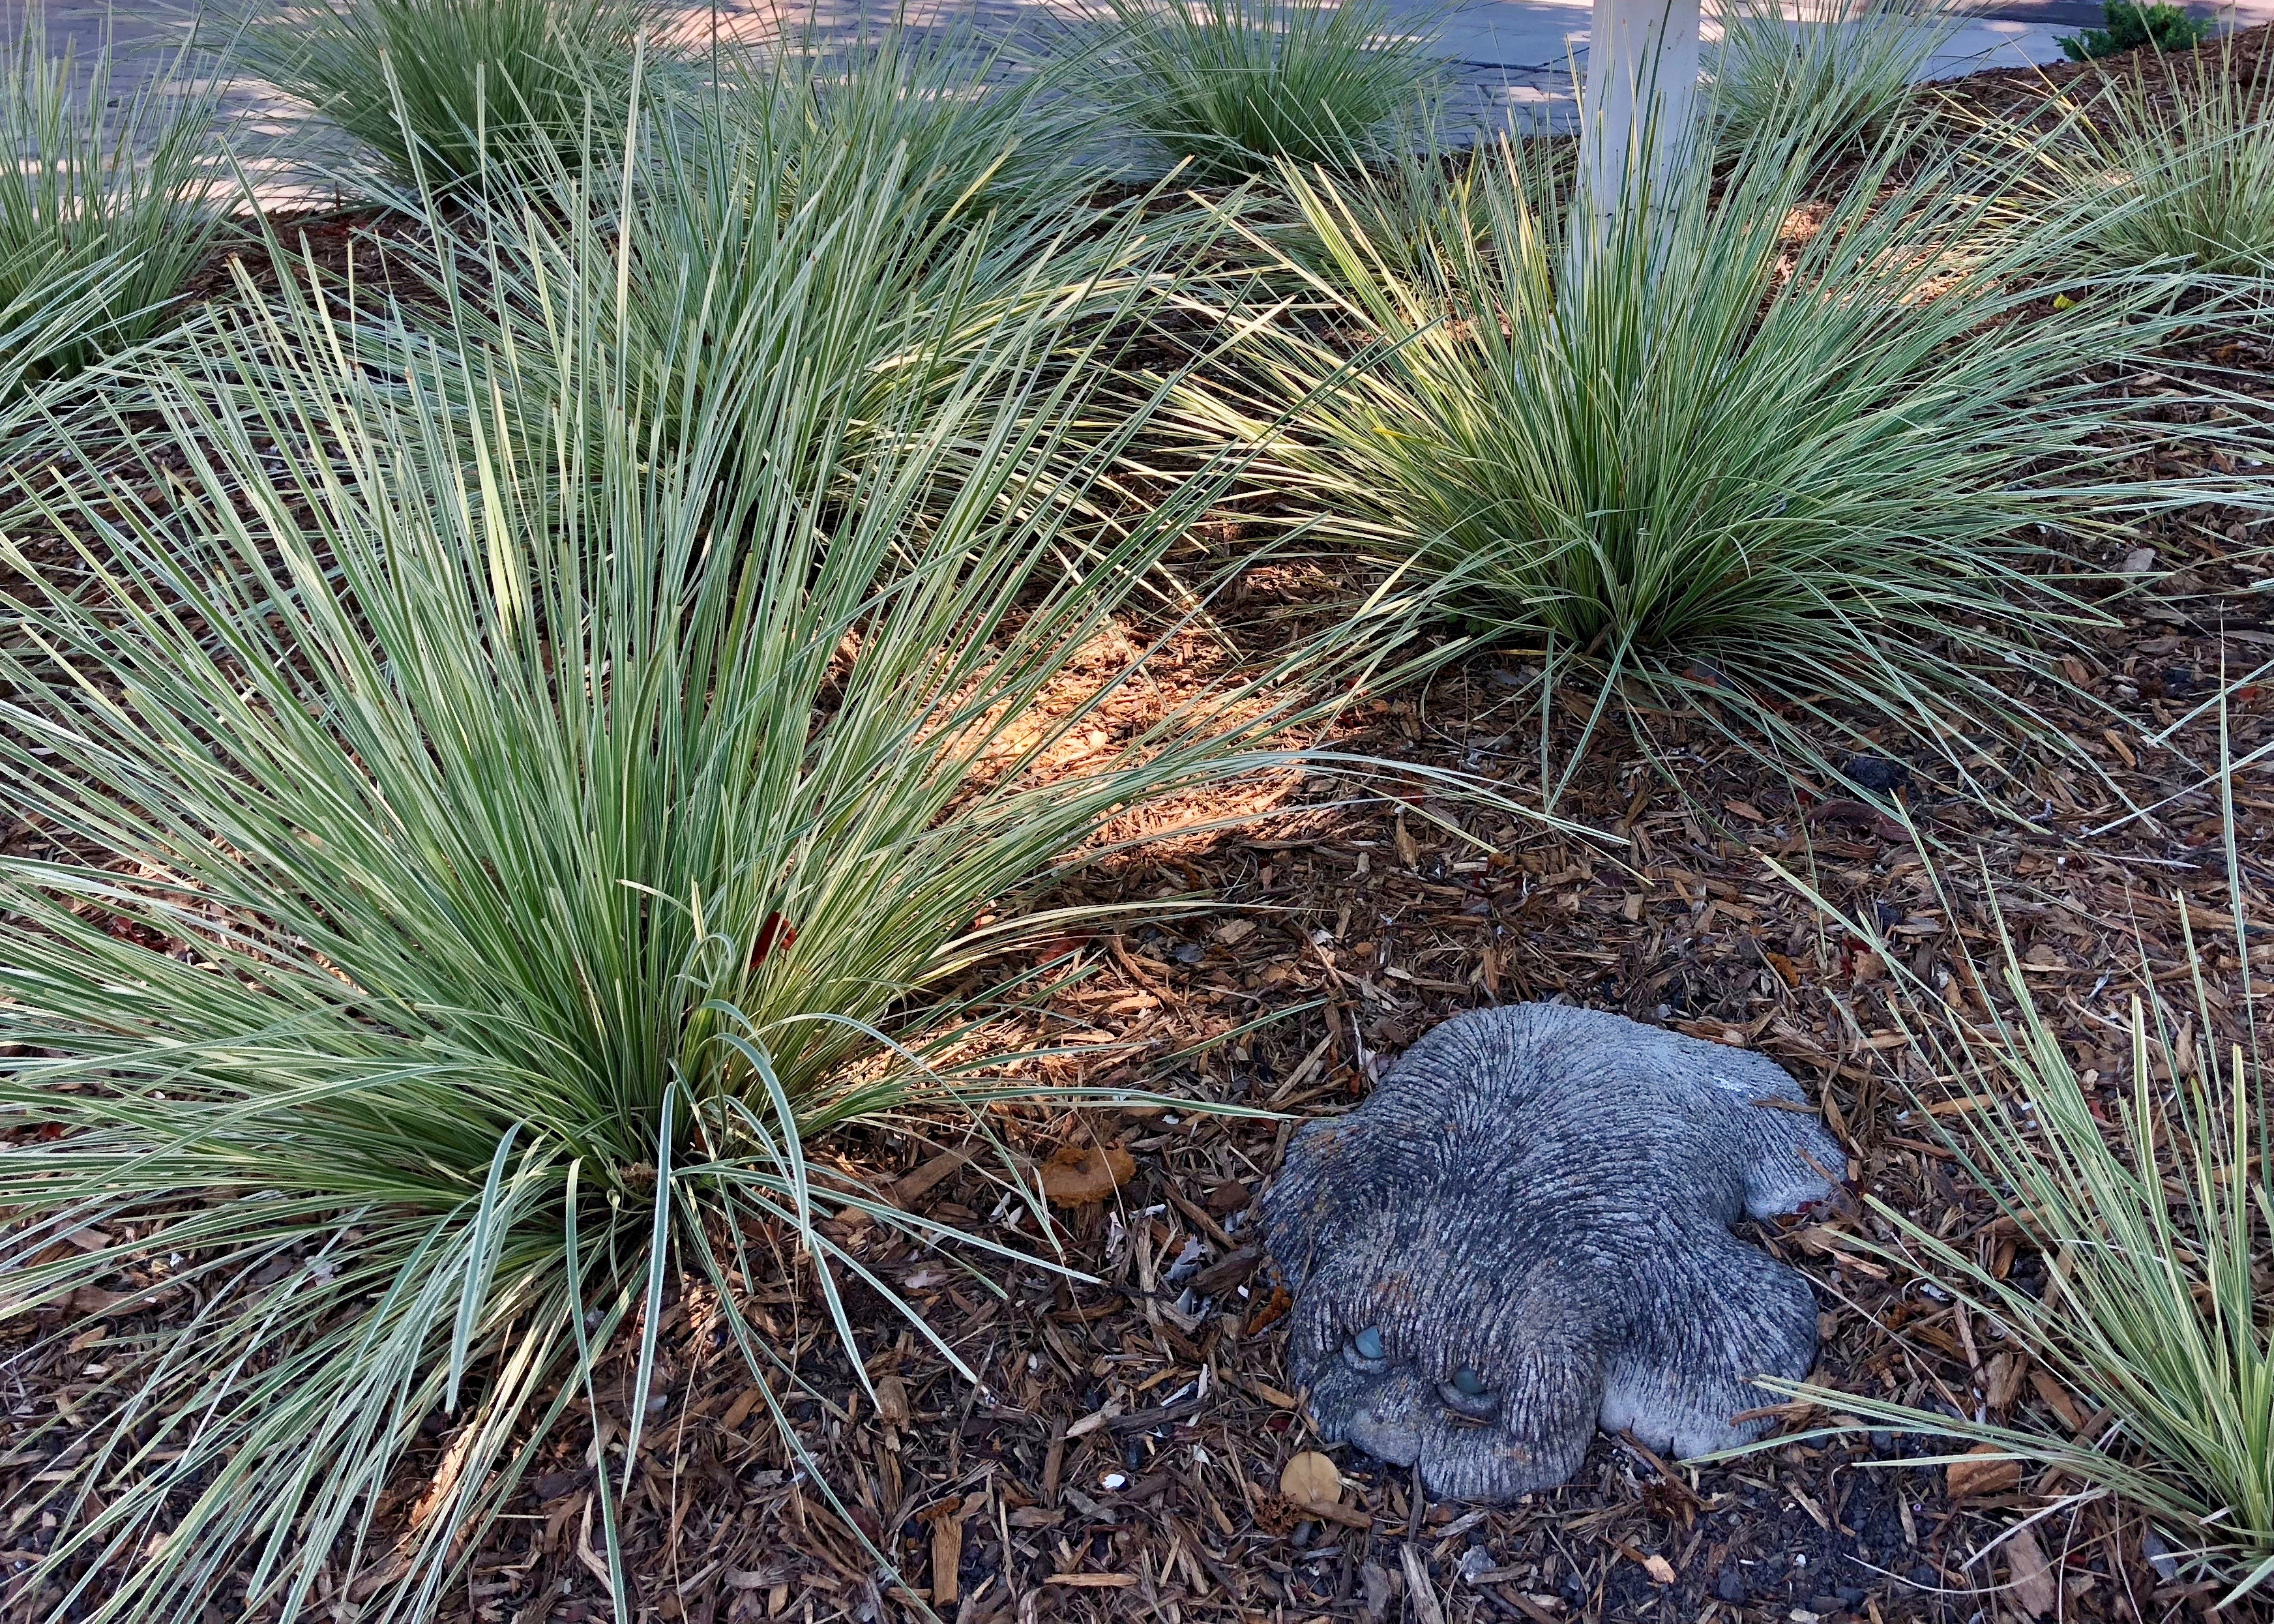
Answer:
x=1525 y=1230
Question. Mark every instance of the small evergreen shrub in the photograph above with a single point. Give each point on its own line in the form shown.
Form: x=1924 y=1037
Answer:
x=2130 y=25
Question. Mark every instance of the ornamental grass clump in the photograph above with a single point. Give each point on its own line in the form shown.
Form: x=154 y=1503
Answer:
x=887 y=225
x=981 y=131
x=1229 y=87
x=2145 y=1196
x=446 y=92
x=487 y=852
x=109 y=198
x=1845 y=75
x=1761 y=458
x=2172 y=164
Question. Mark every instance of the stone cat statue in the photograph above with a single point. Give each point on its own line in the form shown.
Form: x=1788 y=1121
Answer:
x=1525 y=1232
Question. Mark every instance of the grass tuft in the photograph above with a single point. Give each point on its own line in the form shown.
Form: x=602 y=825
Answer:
x=2172 y=162
x=1764 y=458
x=1841 y=74
x=493 y=849
x=110 y=200
x=2147 y=1199
x=443 y=91
x=887 y=221
x=978 y=126
x=1229 y=86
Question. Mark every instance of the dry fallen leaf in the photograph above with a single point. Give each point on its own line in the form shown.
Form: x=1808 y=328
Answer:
x=2034 y=1587
x=1311 y=1479
x=1233 y=932
x=919 y=1183
x=1980 y=1472
x=95 y=1300
x=893 y=1402
x=1659 y=1568
x=1080 y=1173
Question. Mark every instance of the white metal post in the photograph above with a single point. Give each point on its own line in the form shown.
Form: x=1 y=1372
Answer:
x=1641 y=101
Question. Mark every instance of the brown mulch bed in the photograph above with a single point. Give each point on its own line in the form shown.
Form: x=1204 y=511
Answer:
x=2018 y=92
x=1121 y=1454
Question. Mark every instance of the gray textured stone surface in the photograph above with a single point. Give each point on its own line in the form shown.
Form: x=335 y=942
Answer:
x=1530 y=1221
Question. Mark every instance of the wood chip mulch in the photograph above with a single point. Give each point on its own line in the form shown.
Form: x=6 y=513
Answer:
x=1121 y=1454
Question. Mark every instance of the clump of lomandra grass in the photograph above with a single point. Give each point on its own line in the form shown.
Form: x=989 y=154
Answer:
x=1229 y=86
x=109 y=198
x=497 y=840
x=891 y=217
x=1843 y=74
x=2171 y=162
x=2145 y=1195
x=1734 y=454
x=445 y=92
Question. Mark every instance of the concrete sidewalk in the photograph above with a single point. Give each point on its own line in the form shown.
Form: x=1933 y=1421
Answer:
x=1512 y=60
x=1516 y=58
x=1520 y=55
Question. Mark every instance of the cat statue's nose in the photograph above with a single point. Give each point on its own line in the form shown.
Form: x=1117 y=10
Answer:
x=1387 y=1423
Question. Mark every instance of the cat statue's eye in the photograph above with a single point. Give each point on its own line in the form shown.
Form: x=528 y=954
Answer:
x=1468 y=1399
x=1367 y=1344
